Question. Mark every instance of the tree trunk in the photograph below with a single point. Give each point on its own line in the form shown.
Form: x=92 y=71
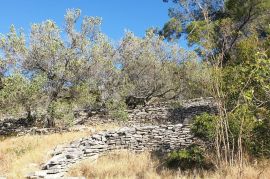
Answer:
x=49 y=118
x=50 y=121
x=30 y=118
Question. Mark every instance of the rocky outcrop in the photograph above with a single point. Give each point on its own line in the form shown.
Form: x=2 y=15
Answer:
x=162 y=138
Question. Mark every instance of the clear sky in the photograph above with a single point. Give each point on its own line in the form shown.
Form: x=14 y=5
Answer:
x=117 y=15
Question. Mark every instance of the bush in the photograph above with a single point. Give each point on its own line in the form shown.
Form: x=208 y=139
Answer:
x=260 y=146
x=119 y=114
x=255 y=134
x=176 y=104
x=204 y=127
x=117 y=110
x=62 y=112
x=193 y=157
x=245 y=117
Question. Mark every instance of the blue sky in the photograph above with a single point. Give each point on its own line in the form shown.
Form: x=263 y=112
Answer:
x=117 y=15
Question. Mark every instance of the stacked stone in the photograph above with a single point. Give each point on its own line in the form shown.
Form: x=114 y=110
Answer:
x=162 y=138
x=11 y=126
x=163 y=112
x=151 y=114
x=20 y=131
x=160 y=113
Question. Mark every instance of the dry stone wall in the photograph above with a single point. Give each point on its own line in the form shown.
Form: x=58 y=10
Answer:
x=163 y=113
x=162 y=138
x=160 y=113
x=169 y=130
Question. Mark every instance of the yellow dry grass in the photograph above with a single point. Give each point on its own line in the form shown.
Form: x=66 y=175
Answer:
x=247 y=172
x=21 y=155
x=120 y=164
x=123 y=164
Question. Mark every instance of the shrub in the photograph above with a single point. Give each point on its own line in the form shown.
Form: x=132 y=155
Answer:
x=260 y=146
x=204 y=127
x=117 y=110
x=176 y=104
x=119 y=114
x=193 y=157
x=243 y=117
x=62 y=112
x=242 y=121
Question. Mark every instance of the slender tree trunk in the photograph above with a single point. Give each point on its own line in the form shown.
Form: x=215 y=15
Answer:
x=50 y=121
x=1 y=82
x=30 y=118
x=49 y=118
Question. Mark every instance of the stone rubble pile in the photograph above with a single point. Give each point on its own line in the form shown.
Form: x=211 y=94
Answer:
x=162 y=138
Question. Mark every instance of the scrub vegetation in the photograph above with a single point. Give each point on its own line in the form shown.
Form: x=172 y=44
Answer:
x=53 y=71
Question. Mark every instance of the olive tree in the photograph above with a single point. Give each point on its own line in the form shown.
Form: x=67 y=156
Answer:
x=21 y=95
x=154 y=68
x=63 y=57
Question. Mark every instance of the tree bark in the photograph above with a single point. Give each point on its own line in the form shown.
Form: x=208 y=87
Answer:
x=49 y=118
x=30 y=118
x=50 y=122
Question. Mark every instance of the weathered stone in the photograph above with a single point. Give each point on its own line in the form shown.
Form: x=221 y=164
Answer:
x=163 y=138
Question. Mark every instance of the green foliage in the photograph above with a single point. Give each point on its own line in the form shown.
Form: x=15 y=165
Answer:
x=117 y=110
x=200 y=32
x=149 y=71
x=232 y=36
x=260 y=140
x=238 y=9
x=62 y=112
x=83 y=96
x=86 y=69
x=21 y=95
x=204 y=126
x=241 y=121
x=193 y=157
x=214 y=27
x=160 y=70
x=73 y=67
x=172 y=29
x=197 y=79
x=243 y=118
x=176 y=104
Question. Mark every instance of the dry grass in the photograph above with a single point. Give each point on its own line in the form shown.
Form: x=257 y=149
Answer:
x=106 y=126
x=21 y=155
x=123 y=164
x=247 y=172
